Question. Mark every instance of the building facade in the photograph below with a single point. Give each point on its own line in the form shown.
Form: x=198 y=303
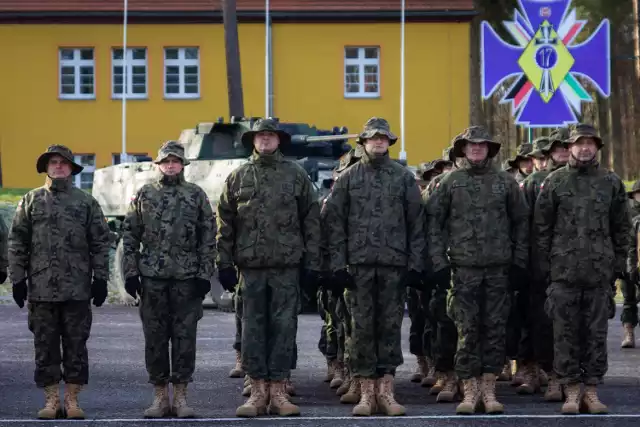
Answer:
x=333 y=64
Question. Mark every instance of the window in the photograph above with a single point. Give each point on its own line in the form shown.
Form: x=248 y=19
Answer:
x=84 y=179
x=133 y=157
x=361 y=72
x=136 y=84
x=181 y=72
x=77 y=72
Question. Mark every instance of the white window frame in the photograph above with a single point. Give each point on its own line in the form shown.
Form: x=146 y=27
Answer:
x=77 y=180
x=361 y=62
x=76 y=63
x=129 y=73
x=181 y=63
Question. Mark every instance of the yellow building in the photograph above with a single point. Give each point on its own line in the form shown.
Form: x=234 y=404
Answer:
x=334 y=64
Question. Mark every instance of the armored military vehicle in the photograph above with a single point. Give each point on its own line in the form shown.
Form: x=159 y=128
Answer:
x=214 y=150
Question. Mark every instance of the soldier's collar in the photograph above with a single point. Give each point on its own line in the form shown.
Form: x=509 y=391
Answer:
x=267 y=159
x=171 y=179
x=58 y=184
x=375 y=161
x=477 y=168
x=583 y=167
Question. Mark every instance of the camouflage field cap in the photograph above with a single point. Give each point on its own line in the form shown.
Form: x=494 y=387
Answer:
x=60 y=150
x=374 y=126
x=171 y=148
x=506 y=166
x=524 y=152
x=634 y=189
x=265 y=125
x=540 y=147
x=582 y=130
x=475 y=134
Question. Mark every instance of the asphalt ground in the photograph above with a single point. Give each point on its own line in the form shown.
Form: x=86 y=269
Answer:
x=118 y=391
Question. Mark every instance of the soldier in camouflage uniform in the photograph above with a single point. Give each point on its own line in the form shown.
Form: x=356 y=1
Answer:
x=173 y=221
x=536 y=346
x=376 y=243
x=478 y=228
x=522 y=162
x=629 y=285
x=538 y=155
x=581 y=237
x=4 y=261
x=268 y=226
x=506 y=166
x=59 y=260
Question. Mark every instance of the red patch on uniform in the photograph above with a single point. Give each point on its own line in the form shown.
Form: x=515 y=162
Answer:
x=541 y=186
x=522 y=184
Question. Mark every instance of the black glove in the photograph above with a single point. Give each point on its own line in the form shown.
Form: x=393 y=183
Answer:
x=99 y=291
x=415 y=280
x=3 y=276
x=202 y=287
x=20 y=292
x=343 y=280
x=442 y=279
x=132 y=286
x=228 y=278
x=518 y=278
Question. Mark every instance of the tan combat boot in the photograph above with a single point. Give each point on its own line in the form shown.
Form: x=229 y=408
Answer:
x=441 y=379
x=367 y=405
x=554 y=390
x=572 y=403
x=591 y=403
x=421 y=368
x=289 y=389
x=160 y=407
x=338 y=375
x=385 y=398
x=543 y=378
x=450 y=389
x=429 y=379
x=505 y=375
x=71 y=402
x=180 y=407
x=471 y=390
x=330 y=370
x=257 y=402
x=51 y=408
x=346 y=383
x=491 y=404
x=629 y=340
x=517 y=370
x=237 y=371
x=279 y=403
x=530 y=383
x=354 y=393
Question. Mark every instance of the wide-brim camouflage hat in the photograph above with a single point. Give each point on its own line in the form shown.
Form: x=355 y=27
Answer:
x=447 y=155
x=540 y=147
x=475 y=134
x=376 y=126
x=171 y=148
x=60 y=150
x=506 y=166
x=265 y=125
x=524 y=152
x=634 y=189
x=584 y=131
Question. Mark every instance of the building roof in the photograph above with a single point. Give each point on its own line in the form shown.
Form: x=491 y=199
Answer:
x=241 y=5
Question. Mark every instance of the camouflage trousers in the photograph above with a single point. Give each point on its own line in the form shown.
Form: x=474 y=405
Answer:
x=419 y=344
x=170 y=311
x=542 y=329
x=443 y=333
x=270 y=303
x=344 y=328
x=630 y=304
x=580 y=324
x=328 y=343
x=376 y=307
x=479 y=304
x=55 y=323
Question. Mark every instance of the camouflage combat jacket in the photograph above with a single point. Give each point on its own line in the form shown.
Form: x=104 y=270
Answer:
x=375 y=217
x=4 y=246
x=173 y=221
x=268 y=216
x=632 y=257
x=531 y=185
x=477 y=217
x=59 y=240
x=581 y=226
x=520 y=177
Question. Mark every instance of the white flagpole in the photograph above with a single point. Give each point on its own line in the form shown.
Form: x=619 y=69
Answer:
x=403 y=153
x=123 y=154
x=267 y=65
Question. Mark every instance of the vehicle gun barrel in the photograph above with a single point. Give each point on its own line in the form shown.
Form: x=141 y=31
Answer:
x=305 y=139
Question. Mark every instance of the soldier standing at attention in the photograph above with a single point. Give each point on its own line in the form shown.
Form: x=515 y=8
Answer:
x=59 y=260
x=522 y=162
x=581 y=237
x=376 y=244
x=537 y=343
x=173 y=221
x=269 y=227
x=478 y=228
x=629 y=286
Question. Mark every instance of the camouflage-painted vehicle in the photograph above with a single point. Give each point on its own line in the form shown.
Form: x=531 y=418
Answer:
x=214 y=150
